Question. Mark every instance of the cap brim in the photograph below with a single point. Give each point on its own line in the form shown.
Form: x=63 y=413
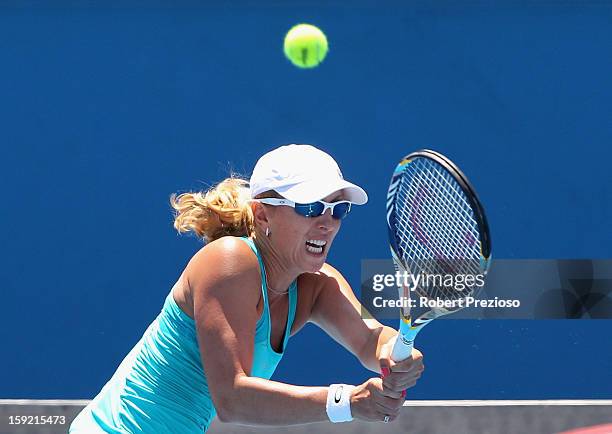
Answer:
x=307 y=192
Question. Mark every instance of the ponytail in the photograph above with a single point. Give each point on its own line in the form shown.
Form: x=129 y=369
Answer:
x=222 y=210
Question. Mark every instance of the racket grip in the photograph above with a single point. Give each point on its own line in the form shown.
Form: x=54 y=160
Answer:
x=402 y=349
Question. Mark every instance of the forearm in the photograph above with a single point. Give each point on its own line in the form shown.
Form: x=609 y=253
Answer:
x=256 y=401
x=370 y=355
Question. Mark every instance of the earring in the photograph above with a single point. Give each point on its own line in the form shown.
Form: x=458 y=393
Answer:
x=267 y=232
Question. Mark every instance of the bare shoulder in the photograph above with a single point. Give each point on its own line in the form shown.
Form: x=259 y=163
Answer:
x=330 y=273
x=326 y=276
x=223 y=264
x=327 y=279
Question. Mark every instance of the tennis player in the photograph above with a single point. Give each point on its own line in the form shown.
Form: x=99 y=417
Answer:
x=225 y=325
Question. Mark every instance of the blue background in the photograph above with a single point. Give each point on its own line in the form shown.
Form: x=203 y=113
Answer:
x=106 y=111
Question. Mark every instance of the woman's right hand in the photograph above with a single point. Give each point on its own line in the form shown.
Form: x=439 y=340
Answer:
x=370 y=402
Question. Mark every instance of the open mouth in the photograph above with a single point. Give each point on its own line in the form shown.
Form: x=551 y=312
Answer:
x=316 y=247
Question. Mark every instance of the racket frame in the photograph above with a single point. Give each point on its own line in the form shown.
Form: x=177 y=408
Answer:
x=408 y=328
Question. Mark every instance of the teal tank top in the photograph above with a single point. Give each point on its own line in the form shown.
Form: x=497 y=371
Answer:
x=161 y=386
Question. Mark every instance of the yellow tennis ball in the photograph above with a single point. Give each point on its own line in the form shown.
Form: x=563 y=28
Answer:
x=305 y=45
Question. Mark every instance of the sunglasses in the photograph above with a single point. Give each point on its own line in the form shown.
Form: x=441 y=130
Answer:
x=339 y=209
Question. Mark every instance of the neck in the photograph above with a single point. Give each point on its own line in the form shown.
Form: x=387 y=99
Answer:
x=279 y=274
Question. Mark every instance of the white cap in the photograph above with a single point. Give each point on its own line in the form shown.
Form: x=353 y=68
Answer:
x=302 y=174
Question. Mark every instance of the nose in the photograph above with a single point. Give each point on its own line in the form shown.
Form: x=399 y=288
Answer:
x=326 y=221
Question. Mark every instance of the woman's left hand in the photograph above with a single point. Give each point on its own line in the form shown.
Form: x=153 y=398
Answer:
x=399 y=376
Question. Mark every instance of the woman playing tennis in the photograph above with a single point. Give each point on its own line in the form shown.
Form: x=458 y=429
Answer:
x=224 y=326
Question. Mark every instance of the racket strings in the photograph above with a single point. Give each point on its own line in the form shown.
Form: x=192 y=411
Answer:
x=436 y=214
x=433 y=215
x=437 y=232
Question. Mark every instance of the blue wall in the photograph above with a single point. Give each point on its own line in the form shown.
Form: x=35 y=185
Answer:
x=106 y=111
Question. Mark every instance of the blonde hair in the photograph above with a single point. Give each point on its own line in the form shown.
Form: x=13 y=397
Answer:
x=222 y=210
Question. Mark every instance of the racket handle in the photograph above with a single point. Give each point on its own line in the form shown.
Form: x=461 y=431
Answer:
x=402 y=349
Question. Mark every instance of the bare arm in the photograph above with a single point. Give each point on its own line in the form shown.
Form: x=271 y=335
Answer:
x=337 y=311
x=225 y=282
x=225 y=300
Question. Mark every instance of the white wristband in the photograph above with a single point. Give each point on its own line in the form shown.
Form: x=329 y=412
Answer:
x=339 y=403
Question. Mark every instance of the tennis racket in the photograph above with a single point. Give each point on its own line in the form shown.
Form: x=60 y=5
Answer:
x=437 y=227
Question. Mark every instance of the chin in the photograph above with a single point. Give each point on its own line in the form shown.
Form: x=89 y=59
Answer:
x=315 y=264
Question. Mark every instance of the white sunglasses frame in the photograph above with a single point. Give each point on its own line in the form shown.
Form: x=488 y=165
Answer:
x=275 y=201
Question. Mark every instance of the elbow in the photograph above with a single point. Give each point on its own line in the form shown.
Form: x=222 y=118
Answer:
x=227 y=402
x=223 y=416
x=224 y=410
